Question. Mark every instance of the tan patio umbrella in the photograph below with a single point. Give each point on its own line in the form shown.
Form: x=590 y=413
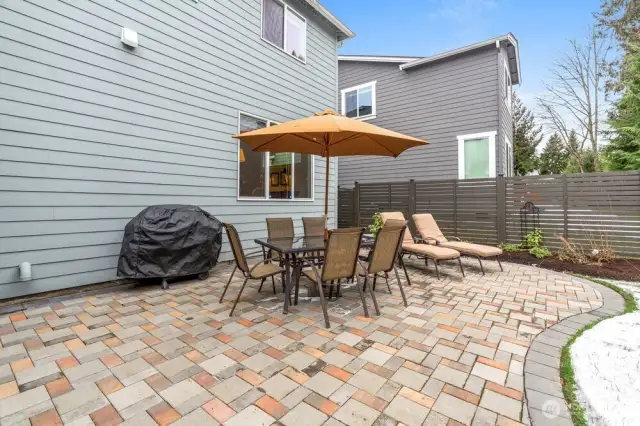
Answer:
x=329 y=134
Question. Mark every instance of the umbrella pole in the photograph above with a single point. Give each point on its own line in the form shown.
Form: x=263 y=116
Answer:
x=326 y=199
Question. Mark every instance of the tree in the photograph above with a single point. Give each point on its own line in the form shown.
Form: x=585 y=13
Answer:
x=572 y=99
x=554 y=157
x=526 y=137
x=621 y=20
x=623 y=150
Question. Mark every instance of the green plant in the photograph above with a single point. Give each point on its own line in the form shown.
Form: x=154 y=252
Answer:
x=508 y=247
x=376 y=224
x=539 y=252
x=533 y=239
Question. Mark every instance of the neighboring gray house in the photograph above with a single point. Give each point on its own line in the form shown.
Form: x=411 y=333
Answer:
x=92 y=130
x=459 y=101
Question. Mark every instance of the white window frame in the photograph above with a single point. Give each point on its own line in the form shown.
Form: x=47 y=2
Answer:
x=374 y=110
x=492 y=151
x=287 y=9
x=267 y=171
x=509 y=168
x=508 y=90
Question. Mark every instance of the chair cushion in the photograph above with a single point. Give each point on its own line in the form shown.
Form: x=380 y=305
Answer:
x=428 y=228
x=433 y=252
x=473 y=249
x=266 y=270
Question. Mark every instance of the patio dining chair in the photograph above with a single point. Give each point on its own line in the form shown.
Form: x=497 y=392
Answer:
x=260 y=271
x=430 y=232
x=340 y=262
x=277 y=227
x=314 y=226
x=416 y=247
x=384 y=254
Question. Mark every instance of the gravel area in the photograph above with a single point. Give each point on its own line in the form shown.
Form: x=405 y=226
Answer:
x=606 y=361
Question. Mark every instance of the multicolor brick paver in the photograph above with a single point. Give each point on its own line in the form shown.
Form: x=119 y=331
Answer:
x=142 y=356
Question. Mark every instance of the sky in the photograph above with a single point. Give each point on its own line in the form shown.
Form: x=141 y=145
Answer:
x=427 y=27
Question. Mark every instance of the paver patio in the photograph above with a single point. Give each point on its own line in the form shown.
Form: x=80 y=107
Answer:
x=147 y=356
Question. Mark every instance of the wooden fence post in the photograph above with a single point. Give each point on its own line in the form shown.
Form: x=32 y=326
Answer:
x=501 y=206
x=565 y=205
x=412 y=204
x=455 y=207
x=356 y=204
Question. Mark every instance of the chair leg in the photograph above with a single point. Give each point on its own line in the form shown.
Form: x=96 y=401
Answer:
x=373 y=297
x=461 y=268
x=323 y=302
x=273 y=284
x=481 y=267
x=330 y=291
x=238 y=298
x=261 y=283
x=404 y=268
x=426 y=262
x=364 y=302
x=375 y=278
x=437 y=271
x=228 y=282
x=499 y=264
x=404 y=298
x=386 y=278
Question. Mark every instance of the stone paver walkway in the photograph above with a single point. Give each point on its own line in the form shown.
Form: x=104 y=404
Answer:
x=147 y=356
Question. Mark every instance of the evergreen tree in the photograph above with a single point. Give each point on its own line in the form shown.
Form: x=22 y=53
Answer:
x=623 y=150
x=554 y=157
x=527 y=135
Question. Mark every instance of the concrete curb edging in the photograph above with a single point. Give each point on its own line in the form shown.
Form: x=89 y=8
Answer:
x=544 y=400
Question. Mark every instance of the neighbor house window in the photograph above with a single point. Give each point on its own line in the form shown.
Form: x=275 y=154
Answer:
x=477 y=155
x=508 y=157
x=507 y=85
x=284 y=28
x=262 y=175
x=359 y=101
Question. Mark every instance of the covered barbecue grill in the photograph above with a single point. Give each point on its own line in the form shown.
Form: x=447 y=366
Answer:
x=170 y=241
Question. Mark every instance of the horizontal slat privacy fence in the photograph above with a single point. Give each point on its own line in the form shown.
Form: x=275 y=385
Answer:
x=591 y=208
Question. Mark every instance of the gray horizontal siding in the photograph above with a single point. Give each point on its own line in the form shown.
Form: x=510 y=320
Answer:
x=435 y=102
x=92 y=132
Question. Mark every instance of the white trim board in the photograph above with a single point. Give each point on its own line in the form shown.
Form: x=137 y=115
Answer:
x=492 y=151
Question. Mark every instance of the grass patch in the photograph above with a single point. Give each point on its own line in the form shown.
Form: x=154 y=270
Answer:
x=567 y=375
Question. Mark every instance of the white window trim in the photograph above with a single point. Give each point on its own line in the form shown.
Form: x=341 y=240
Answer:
x=374 y=110
x=492 y=151
x=267 y=171
x=508 y=87
x=287 y=9
x=509 y=146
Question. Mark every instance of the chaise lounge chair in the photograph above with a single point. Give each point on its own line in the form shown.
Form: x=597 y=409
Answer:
x=430 y=232
x=411 y=246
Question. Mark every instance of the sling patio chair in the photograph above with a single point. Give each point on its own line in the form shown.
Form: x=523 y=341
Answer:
x=384 y=254
x=260 y=271
x=277 y=227
x=430 y=232
x=414 y=246
x=340 y=262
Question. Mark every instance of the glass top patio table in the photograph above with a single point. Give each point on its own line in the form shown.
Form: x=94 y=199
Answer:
x=293 y=245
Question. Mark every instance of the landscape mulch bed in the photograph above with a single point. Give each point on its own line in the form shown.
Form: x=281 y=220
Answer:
x=618 y=269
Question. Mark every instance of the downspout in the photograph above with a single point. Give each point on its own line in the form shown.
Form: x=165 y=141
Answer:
x=498 y=147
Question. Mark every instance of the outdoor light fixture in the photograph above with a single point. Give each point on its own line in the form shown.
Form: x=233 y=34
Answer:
x=129 y=37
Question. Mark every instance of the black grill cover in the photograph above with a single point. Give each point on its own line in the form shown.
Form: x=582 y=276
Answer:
x=170 y=241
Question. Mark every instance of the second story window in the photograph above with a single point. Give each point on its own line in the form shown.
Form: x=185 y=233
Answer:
x=360 y=101
x=284 y=28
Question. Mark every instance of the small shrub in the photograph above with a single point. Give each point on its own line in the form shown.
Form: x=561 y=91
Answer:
x=539 y=252
x=376 y=224
x=533 y=239
x=509 y=248
x=576 y=253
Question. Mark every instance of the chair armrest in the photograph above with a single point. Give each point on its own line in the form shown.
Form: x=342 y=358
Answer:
x=429 y=240
x=254 y=254
x=455 y=238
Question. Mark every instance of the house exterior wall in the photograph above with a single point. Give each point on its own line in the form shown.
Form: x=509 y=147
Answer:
x=437 y=102
x=505 y=129
x=92 y=132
